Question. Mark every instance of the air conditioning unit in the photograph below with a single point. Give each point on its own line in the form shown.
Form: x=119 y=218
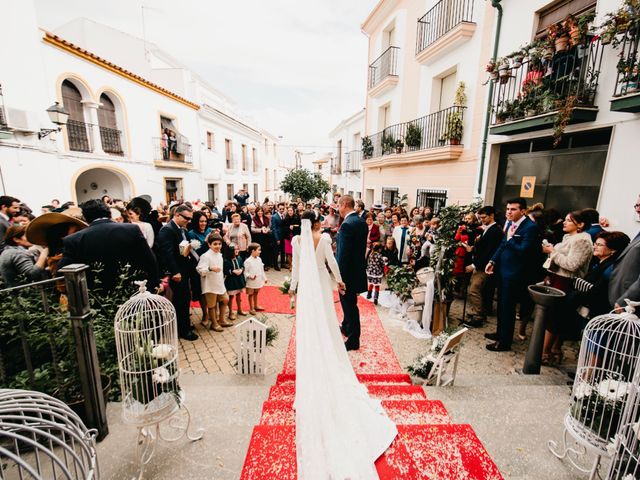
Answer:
x=22 y=120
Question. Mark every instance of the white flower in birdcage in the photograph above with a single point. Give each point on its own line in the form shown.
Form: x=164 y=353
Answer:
x=583 y=390
x=162 y=351
x=635 y=428
x=161 y=375
x=629 y=476
x=613 y=445
x=613 y=390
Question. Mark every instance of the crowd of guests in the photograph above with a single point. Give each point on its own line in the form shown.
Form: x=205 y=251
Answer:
x=199 y=252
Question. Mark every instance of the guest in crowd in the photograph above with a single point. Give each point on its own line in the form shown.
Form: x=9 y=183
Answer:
x=375 y=271
x=290 y=228
x=382 y=226
x=374 y=231
x=277 y=223
x=241 y=197
x=569 y=260
x=626 y=270
x=261 y=234
x=234 y=280
x=390 y=253
x=255 y=277
x=592 y=219
x=331 y=222
x=402 y=238
x=135 y=217
x=210 y=267
x=9 y=208
x=238 y=234
x=199 y=231
x=18 y=258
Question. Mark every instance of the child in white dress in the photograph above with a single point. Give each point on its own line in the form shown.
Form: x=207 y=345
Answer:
x=255 y=276
x=210 y=268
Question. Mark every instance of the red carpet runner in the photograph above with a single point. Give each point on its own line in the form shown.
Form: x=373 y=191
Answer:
x=270 y=298
x=428 y=445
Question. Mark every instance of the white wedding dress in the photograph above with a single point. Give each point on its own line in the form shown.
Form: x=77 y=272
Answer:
x=340 y=430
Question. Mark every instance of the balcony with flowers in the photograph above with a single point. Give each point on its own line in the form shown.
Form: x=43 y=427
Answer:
x=550 y=83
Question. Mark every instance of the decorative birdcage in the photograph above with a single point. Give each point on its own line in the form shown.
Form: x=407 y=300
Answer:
x=252 y=343
x=147 y=345
x=42 y=438
x=602 y=388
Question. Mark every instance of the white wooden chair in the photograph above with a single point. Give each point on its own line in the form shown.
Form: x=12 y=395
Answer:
x=439 y=376
x=252 y=342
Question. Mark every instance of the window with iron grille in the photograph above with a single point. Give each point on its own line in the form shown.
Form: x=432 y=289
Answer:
x=245 y=162
x=210 y=141
x=255 y=192
x=436 y=199
x=254 y=159
x=390 y=195
x=229 y=191
x=212 y=192
x=228 y=153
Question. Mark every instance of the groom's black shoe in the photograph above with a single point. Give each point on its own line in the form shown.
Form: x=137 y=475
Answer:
x=351 y=346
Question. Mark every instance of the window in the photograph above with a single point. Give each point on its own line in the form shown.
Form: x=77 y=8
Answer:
x=229 y=191
x=266 y=179
x=245 y=187
x=228 y=153
x=390 y=195
x=77 y=133
x=210 y=141
x=254 y=159
x=245 y=165
x=255 y=192
x=357 y=141
x=109 y=133
x=212 y=192
x=338 y=164
x=436 y=199
x=559 y=10
x=173 y=189
x=384 y=116
x=275 y=180
x=266 y=146
x=447 y=91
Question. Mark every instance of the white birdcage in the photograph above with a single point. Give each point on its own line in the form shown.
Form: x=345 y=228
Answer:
x=252 y=342
x=147 y=344
x=601 y=390
x=42 y=438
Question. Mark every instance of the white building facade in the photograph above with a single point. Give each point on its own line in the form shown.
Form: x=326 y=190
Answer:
x=140 y=123
x=346 y=171
x=595 y=162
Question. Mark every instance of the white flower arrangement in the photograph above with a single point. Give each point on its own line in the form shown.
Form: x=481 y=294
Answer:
x=635 y=428
x=162 y=351
x=195 y=244
x=583 y=390
x=161 y=375
x=629 y=476
x=613 y=390
x=612 y=446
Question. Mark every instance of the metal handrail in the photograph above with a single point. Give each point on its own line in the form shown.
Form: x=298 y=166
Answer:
x=353 y=161
x=79 y=136
x=384 y=66
x=110 y=138
x=168 y=152
x=443 y=17
x=628 y=79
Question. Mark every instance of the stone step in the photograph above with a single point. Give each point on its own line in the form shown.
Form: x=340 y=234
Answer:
x=401 y=412
x=384 y=392
x=443 y=452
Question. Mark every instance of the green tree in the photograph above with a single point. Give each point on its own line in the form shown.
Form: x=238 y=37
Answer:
x=301 y=183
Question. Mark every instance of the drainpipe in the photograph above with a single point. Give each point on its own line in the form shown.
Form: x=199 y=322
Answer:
x=495 y=4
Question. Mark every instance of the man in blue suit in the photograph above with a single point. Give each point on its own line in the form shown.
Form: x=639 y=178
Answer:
x=512 y=264
x=276 y=231
x=351 y=245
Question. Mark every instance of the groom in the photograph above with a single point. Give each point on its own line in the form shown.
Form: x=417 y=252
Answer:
x=351 y=245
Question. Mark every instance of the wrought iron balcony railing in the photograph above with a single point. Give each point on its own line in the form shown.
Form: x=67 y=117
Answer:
x=537 y=86
x=336 y=166
x=111 y=142
x=168 y=151
x=431 y=131
x=384 y=66
x=353 y=161
x=3 y=117
x=79 y=136
x=442 y=18
x=628 y=79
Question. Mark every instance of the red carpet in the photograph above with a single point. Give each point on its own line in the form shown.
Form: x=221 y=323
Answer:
x=270 y=298
x=428 y=445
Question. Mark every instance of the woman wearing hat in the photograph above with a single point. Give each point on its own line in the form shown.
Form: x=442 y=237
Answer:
x=17 y=259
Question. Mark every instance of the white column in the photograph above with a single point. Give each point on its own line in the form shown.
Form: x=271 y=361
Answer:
x=94 y=130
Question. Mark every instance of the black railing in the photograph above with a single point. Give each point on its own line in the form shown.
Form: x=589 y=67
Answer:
x=353 y=160
x=543 y=85
x=336 y=166
x=111 y=143
x=442 y=18
x=628 y=80
x=431 y=131
x=171 y=151
x=435 y=199
x=384 y=66
x=3 y=117
x=79 y=134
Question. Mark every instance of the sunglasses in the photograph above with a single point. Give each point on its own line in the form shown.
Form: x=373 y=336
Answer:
x=185 y=217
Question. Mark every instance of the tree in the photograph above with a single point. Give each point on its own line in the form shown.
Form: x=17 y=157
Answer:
x=301 y=183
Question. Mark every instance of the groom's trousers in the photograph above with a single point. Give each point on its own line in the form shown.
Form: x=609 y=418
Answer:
x=351 y=321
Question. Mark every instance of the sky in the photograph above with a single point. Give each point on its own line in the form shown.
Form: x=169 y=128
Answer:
x=296 y=68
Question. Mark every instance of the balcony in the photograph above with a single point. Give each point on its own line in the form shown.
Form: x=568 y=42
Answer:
x=627 y=90
x=171 y=154
x=111 y=141
x=79 y=134
x=3 y=117
x=434 y=137
x=448 y=24
x=383 y=72
x=336 y=166
x=547 y=92
x=353 y=159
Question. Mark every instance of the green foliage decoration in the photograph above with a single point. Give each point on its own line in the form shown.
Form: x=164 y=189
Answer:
x=301 y=183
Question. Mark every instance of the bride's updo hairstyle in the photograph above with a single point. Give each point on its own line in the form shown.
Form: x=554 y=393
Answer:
x=311 y=216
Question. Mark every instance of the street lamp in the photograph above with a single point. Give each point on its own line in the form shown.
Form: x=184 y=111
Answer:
x=58 y=116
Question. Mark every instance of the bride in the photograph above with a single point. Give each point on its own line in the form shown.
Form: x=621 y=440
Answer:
x=340 y=430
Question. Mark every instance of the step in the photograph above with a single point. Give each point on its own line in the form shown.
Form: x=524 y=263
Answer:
x=383 y=392
x=443 y=452
x=367 y=378
x=401 y=412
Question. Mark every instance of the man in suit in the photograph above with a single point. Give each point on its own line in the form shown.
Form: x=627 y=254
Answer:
x=111 y=244
x=360 y=210
x=179 y=265
x=483 y=250
x=9 y=207
x=278 y=238
x=626 y=270
x=351 y=245
x=512 y=264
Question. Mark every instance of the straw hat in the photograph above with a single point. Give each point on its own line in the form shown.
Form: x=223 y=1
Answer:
x=37 y=229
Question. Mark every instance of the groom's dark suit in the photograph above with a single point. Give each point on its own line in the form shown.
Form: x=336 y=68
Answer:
x=351 y=245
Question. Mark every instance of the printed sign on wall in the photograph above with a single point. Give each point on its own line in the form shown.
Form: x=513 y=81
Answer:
x=528 y=186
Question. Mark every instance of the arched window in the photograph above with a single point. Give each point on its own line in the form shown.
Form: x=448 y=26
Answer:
x=109 y=133
x=76 y=126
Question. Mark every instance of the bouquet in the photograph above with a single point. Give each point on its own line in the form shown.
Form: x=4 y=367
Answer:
x=284 y=288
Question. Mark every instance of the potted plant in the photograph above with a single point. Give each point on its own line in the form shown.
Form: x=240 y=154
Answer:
x=578 y=27
x=517 y=58
x=387 y=143
x=453 y=129
x=413 y=136
x=460 y=97
x=367 y=147
x=492 y=69
x=504 y=72
x=399 y=146
x=558 y=33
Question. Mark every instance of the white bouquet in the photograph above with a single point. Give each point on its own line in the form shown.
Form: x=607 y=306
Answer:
x=195 y=244
x=183 y=247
